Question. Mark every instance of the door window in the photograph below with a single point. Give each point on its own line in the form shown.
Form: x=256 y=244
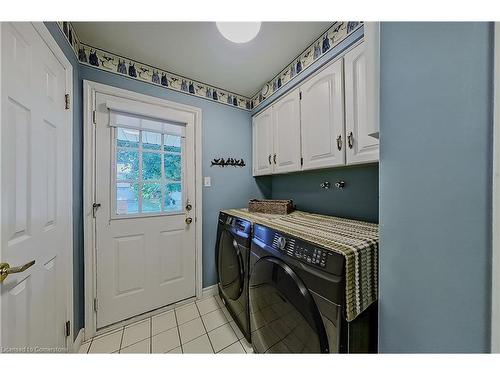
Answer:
x=149 y=172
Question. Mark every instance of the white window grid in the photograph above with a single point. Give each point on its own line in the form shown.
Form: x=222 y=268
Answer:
x=163 y=181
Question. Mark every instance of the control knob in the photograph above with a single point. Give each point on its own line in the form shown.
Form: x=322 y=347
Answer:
x=281 y=243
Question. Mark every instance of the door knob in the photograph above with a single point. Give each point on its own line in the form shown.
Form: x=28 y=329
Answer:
x=189 y=220
x=6 y=269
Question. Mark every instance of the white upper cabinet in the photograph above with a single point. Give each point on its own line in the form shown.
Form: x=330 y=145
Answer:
x=322 y=119
x=262 y=131
x=331 y=120
x=361 y=147
x=286 y=121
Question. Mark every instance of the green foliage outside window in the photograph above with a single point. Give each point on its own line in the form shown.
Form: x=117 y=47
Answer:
x=128 y=169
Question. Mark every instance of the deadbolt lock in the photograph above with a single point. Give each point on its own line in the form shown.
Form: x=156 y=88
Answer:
x=189 y=207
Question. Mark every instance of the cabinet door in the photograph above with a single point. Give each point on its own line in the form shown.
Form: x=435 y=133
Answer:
x=286 y=121
x=361 y=148
x=262 y=143
x=322 y=119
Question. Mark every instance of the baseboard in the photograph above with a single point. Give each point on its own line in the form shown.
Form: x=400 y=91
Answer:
x=209 y=291
x=78 y=341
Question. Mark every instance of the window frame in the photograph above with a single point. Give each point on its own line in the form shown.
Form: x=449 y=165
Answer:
x=163 y=182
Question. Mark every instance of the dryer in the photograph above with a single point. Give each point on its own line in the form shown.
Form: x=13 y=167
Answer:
x=232 y=257
x=296 y=299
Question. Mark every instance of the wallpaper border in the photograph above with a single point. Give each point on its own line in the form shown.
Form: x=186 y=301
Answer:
x=113 y=63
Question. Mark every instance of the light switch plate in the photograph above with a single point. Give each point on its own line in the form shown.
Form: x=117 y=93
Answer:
x=207 y=181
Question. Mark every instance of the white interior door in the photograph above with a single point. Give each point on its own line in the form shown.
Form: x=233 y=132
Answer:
x=286 y=121
x=35 y=192
x=361 y=147
x=263 y=143
x=322 y=118
x=145 y=180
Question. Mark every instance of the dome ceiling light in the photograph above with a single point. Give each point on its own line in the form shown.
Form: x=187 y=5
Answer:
x=239 y=32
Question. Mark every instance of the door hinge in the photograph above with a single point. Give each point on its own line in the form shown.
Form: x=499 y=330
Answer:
x=95 y=304
x=67 y=328
x=66 y=101
x=93 y=117
x=300 y=95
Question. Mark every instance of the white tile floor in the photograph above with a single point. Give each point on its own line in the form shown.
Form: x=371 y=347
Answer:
x=203 y=326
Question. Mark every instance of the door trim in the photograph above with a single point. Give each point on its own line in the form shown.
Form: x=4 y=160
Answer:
x=63 y=60
x=90 y=88
x=495 y=271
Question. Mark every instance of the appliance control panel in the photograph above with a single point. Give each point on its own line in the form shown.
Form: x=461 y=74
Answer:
x=309 y=253
x=240 y=226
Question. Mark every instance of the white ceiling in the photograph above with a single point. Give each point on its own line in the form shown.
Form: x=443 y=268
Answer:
x=198 y=51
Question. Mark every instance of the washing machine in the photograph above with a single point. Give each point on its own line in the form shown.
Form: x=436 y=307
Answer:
x=232 y=256
x=296 y=299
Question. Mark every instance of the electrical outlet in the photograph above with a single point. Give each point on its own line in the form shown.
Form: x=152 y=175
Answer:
x=207 y=181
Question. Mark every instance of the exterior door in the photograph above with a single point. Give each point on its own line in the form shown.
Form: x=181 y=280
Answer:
x=361 y=147
x=286 y=121
x=283 y=315
x=36 y=190
x=144 y=192
x=322 y=118
x=263 y=143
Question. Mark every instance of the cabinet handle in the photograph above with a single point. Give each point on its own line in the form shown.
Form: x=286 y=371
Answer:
x=339 y=143
x=274 y=158
x=270 y=159
x=350 y=140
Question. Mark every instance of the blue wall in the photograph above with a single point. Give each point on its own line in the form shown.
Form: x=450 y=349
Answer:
x=358 y=200
x=435 y=187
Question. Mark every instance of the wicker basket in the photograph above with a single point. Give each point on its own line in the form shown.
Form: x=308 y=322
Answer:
x=271 y=206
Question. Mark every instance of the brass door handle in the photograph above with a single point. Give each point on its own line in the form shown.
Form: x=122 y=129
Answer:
x=6 y=269
x=188 y=220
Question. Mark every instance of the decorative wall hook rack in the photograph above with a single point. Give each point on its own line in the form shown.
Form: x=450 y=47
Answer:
x=221 y=162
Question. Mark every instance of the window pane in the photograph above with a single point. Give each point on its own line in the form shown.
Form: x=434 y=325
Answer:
x=172 y=143
x=127 y=137
x=173 y=197
x=151 y=141
x=127 y=165
x=151 y=166
x=173 y=167
x=127 y=201
x=151 y=198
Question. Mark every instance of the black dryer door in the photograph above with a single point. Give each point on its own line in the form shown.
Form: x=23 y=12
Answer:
x=230 y=266
x=283 y=315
